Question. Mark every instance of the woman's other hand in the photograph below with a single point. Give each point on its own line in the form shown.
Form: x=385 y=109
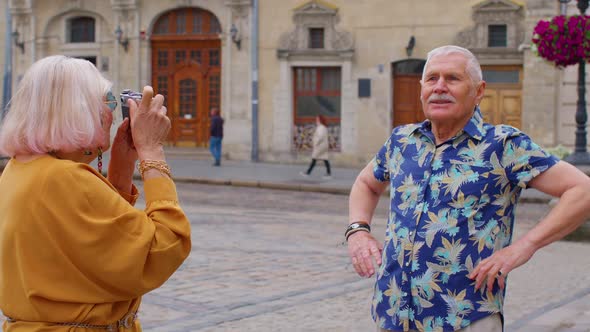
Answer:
x=123 y=158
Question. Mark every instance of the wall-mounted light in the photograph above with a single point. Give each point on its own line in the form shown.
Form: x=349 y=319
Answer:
x=123 y=41
x=235 y=36
x=410 y=47
x=19 y=44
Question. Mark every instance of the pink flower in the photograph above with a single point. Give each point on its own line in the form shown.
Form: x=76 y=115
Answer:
x=563 y=40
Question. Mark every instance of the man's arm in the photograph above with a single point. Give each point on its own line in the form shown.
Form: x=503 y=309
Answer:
x=364 y=197
x=573 y=188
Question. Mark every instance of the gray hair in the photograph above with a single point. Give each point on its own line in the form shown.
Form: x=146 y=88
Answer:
x=57 y=107
x=473 y=68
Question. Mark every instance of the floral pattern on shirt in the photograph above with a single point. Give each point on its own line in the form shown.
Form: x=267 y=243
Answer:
x=451 y=206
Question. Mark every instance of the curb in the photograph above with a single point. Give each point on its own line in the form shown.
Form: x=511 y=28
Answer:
x=264 y=184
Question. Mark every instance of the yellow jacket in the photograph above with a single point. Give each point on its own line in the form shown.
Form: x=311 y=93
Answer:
x=74 y=250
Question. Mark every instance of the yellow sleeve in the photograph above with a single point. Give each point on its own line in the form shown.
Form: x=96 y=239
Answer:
x=130 y=197
x=111 y=251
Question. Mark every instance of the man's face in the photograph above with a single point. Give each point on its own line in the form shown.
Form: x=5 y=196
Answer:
x=448 y=94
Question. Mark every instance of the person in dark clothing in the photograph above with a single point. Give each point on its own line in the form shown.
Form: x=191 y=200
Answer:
x=216 y=135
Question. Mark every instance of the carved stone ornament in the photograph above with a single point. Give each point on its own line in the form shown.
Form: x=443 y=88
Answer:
x=316 y=14
x=20 y=7
x=124 y=5
x=239 y=8
x=494 y=12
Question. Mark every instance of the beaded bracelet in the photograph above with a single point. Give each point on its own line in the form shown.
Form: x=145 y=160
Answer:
x=159 y=165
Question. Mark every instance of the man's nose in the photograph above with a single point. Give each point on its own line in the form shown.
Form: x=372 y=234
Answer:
x=440 y=86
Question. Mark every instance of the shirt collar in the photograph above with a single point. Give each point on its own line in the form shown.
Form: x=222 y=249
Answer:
x=473 y=128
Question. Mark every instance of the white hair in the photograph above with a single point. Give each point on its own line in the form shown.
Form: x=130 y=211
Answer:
x=57 y=107
x=473 y=67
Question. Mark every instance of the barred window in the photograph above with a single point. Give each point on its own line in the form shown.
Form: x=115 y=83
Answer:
x=81 y=29
x=497 y=35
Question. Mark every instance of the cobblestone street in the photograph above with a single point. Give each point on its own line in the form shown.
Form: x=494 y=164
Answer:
x=271 y=260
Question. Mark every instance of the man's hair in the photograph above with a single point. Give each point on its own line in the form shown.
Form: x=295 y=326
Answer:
x=215 y=111
x=473 y=67
x=56 y=107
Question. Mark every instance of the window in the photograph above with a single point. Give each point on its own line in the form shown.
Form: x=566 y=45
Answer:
x=214 y=25
x=180 y=56
x=187 y=99
x=180 y=23
x=162 y=26
x=162 y=58
x=501 y=76
x=81 y=30
x=187 y=22
x=197 y=22
x=213 y=57
x=317 y=91
x=497 y=35
x=316 y=38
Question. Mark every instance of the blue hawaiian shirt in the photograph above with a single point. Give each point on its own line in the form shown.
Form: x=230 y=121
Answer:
x=451 y=206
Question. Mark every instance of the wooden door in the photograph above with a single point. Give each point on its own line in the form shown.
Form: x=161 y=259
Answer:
x=188 y=113
x=186 y=69
x=502 y=101
x=407 y=107
x=502 y=106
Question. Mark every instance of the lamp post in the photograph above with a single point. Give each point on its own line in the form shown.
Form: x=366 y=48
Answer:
x=580 y=155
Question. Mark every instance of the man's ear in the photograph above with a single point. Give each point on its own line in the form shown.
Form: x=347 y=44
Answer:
x=479 y=91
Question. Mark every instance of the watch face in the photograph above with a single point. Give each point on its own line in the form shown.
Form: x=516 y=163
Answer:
x=353 y=226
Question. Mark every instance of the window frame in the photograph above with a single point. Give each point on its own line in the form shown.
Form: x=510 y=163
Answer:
x=496 y=34
x=70 y=29
x=317 y=38
x=317 y=90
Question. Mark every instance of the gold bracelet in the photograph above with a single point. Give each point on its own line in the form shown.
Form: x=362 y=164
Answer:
x=159 y=165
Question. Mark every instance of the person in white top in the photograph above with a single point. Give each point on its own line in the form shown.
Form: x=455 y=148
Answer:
x=320 y=147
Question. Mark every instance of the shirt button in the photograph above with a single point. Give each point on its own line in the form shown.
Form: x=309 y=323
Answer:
x=407 y=264
x=405 y=294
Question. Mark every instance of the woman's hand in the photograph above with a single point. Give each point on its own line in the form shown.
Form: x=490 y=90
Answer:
x=149 y=125
x=123 y=158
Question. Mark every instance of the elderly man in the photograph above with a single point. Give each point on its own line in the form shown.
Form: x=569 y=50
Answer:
x=454 y=183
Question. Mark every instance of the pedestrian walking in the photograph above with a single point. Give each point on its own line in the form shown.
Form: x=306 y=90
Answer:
x=216 y=136
x=454 y=182
x=74 y=252
x=320 y=147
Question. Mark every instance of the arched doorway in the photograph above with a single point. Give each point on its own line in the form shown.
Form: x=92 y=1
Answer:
x=186 y=69
x=407 y=107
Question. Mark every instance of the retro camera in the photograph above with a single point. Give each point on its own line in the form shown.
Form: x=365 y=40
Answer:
x=126 y=95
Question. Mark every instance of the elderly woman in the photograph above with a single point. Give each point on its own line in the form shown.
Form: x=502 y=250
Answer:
x=74 y=252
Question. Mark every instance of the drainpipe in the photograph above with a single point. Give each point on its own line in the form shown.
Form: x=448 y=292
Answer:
x=7 y=87
x=254 y=54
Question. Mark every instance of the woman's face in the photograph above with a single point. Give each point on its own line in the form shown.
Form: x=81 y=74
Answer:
x=106 y=116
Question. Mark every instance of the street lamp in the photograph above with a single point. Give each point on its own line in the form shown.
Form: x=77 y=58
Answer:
x=122 y=41
x=19 y=44
x=580 y=155
x=235 y=36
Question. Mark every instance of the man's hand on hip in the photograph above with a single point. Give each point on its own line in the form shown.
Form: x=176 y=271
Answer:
x=363 y=249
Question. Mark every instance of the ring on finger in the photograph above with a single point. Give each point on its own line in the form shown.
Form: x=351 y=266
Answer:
x=500 y=274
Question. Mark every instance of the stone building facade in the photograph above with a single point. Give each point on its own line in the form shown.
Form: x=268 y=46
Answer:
x=358 y=63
